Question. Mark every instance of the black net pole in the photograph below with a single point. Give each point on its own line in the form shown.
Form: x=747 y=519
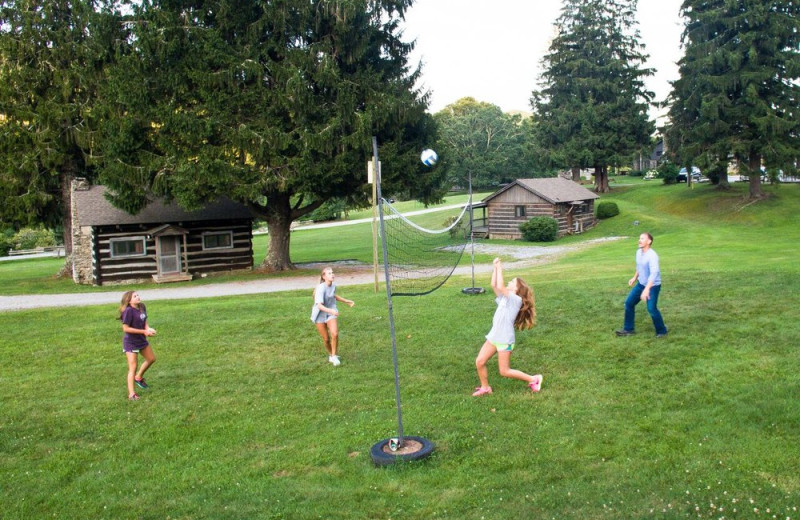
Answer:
x=377 y=179
x=471 y=231
x=473 y=289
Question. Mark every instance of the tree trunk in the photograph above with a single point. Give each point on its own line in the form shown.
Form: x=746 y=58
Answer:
x=576 y=174
x=278 y=215
x=601 y=179
x=755 y=176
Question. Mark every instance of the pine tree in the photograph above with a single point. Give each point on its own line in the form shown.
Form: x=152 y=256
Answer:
x=591 y=111
x=53 y=53
x=270 y=103
x=737 y=97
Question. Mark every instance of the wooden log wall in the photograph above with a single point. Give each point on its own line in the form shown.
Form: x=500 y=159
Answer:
x=198 y=261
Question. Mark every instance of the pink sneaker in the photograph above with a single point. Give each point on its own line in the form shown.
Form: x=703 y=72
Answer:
x=481 y=391
x=536 y=384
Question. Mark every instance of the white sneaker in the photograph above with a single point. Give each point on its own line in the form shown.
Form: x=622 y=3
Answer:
x=336 y=361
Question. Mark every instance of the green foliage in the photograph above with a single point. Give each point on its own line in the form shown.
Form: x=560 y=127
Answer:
x=331 y=210
x=53 y=54
x=668 y=172
x=737 y=93
x=30 y=238
x=6 y=241
x=607 y=209
x=461 y=229
x=593 y=89
x=271 y=104
x=478 y=139
x=539 y=229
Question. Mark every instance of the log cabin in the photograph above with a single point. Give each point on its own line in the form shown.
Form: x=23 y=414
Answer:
x=569 y=203
x=162 y=243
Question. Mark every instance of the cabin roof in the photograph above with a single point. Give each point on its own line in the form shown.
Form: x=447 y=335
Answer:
x=554 y=190
x=94 y=209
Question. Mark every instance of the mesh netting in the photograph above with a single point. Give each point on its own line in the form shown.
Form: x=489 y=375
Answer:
x=421 y=260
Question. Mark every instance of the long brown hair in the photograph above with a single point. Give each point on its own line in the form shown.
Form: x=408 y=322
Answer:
x=126 y=301
x=526 y=317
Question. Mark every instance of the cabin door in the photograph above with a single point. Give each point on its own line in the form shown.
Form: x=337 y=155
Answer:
x=169 y=254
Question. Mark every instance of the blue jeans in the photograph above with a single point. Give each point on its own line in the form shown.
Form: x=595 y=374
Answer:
x=634 y=297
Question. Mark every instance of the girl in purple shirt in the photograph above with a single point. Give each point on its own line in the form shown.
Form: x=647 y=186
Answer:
x=133 y=315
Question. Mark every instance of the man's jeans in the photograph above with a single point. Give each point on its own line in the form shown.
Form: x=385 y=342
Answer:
x=634 y=297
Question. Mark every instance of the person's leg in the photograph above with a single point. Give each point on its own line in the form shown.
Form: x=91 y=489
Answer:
x=652 y=308
x=333 y=333
x=322 y=328
x=487 y=351
x=131 y=371
x=149 y=359
x=504 y=366
x=630 y=307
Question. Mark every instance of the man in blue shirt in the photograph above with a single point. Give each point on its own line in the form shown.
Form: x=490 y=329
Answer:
x=645 y=286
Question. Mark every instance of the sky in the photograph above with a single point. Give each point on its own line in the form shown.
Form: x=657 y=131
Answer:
x=491 y=50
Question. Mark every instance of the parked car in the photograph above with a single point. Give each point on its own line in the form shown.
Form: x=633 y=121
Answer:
x=682 y=177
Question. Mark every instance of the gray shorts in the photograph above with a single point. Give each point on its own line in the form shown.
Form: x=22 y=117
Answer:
x=324 y=317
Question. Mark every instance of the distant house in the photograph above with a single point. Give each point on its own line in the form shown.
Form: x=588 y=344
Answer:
x=162 y=243
x=566 y=201
x=643 y=163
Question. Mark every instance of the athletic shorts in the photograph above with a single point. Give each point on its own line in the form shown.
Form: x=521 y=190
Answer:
x=134 y=350
x=503 y=347
x=324 y=317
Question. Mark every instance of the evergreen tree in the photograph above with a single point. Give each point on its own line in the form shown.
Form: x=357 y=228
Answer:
x=477 y=139
x=591 y=111
x=273 y=104
x=53 y=53
x=737 y=96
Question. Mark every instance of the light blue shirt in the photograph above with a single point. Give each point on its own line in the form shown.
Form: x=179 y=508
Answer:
x=647 y=267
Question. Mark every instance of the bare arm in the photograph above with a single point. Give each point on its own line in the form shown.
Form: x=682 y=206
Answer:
x=498 y=284
x=345 y=300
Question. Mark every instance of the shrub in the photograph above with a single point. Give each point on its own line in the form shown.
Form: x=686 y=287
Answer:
x=668 y=172
x=6 y=241
x=460 y=229
x=29 y=238
x=607 y=210
x=540 y=229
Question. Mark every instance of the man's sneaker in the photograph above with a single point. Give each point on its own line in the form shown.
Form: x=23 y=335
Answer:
x=623 y=332
x=481 y=391
x=336 y=361
x=662 y=335
x=133 y=397
x=536 y=384
x=141 y=383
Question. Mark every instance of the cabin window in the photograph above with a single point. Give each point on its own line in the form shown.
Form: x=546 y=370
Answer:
x=128 y=246
x=519 y=211
x=218 y=240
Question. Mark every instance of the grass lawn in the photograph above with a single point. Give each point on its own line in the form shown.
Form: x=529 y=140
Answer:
x=246 y=419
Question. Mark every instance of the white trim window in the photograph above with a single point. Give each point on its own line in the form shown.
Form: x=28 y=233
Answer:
x=127 y=246
x=217 y=240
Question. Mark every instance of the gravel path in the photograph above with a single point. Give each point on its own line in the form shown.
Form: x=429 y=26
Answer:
x=346 y=275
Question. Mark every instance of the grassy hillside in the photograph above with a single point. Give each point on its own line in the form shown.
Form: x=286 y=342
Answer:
x=246 y=419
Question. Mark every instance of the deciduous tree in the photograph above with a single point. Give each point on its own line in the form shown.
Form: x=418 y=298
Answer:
x=478 y=139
